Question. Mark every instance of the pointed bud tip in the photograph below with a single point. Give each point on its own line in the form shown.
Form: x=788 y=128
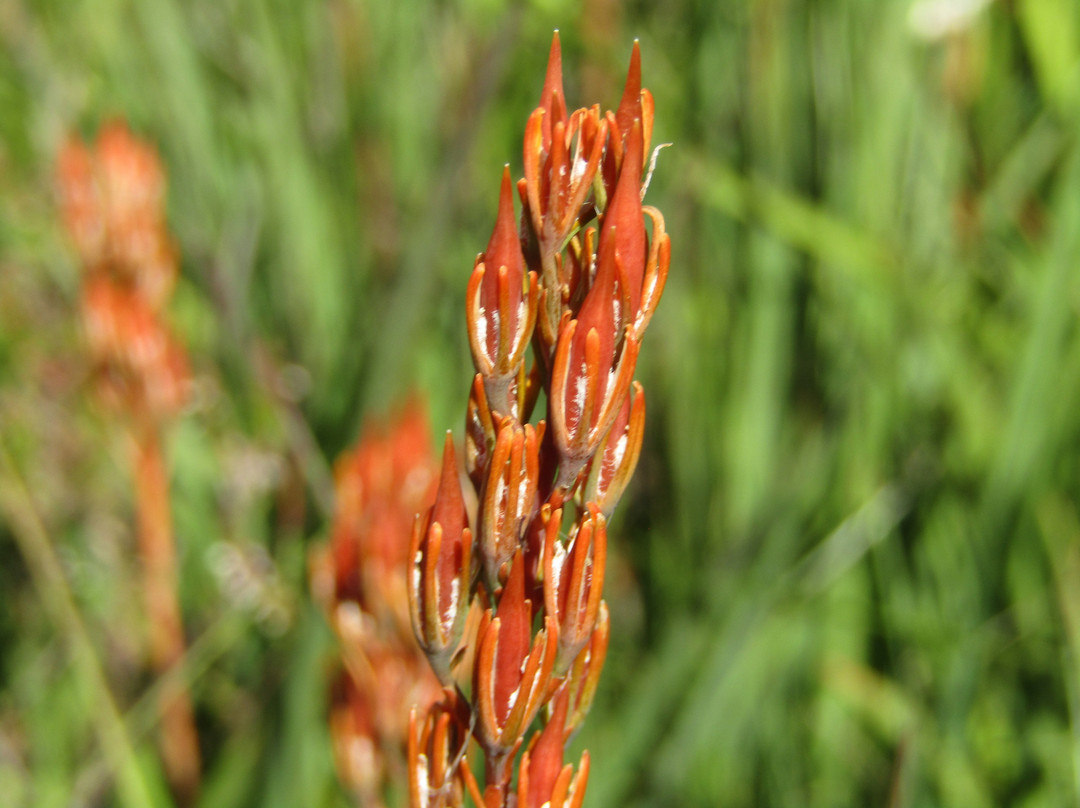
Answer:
x=449 y=493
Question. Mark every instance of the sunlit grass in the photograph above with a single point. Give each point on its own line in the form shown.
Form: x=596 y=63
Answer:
x=846 y=572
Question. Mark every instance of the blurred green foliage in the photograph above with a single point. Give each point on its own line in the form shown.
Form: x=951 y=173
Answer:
x=848 y=571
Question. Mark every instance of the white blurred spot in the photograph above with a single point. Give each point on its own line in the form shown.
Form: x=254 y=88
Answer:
x=936 y=19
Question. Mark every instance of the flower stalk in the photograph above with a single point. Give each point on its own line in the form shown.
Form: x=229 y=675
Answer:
x=576 y=276
x=113 y=203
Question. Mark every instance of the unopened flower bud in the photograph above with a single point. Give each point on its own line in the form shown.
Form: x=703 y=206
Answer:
x=434 y=777
x=574 y=582
x=439 y=576
x=613 y=465
x=511 y=674
x=584 y=674
x=542 y=777
x=509 y=495
x=501 y=308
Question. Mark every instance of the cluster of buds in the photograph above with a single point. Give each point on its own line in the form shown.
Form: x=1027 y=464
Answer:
x=358 y=578
x=507 y=601
x=113 y=203
x=112 y=197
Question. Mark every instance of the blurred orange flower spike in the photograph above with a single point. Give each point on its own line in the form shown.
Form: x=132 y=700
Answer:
x=439 y=570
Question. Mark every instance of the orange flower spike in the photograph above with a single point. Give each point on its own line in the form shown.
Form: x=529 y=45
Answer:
x=511 y=673
x=439 y=578
x=141 y=366
x=131 y=188
x=569 y=793
x=508 y=496
x=561 y=157
x=503 y=250
x=539 y=135
x=574 y=582
x=80 y=201
x=613 y=465
x=501 y=307
x=571 y=175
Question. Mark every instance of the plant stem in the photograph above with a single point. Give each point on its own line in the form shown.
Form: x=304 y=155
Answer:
x=178 y=739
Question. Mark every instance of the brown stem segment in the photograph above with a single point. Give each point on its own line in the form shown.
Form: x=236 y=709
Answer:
x=177 y=738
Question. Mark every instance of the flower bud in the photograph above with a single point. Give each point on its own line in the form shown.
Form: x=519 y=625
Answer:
x=479 y=433
x=542 y=777
x=574 y=582
x=501 y=308
x=623 y=229
x=435 y=776
x=509 y=495
x=613 y=465
x=439 y=579
x=561 y=160
x=591 y=374
x=584 y=674
x=511 y=674
x=636 y=104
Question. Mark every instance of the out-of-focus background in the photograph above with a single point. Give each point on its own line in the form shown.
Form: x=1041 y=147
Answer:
x=847 y=572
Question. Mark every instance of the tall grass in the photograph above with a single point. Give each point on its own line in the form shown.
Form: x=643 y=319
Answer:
x=847 y=572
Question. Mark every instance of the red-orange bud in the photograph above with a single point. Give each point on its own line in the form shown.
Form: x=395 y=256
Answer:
x=439 y=573
x=509 y=495
x=552 y=97
x=542 y=764
x=623 y=231
x=613 y=465
x=512 y=672
x=574 y=582
x=501 y=303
